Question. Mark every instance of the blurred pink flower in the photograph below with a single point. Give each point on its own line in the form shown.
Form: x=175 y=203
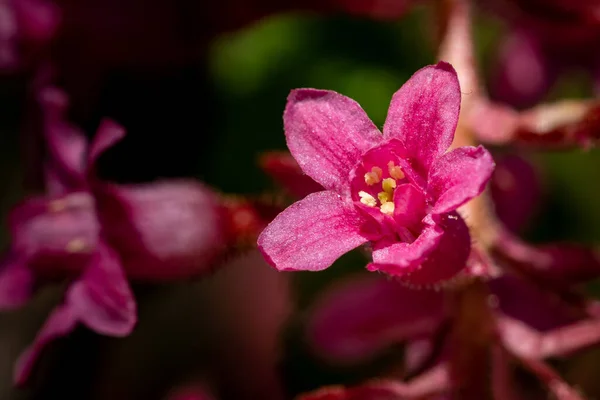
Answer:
x=25 y=27
x=399 y=191
x=343 y=328
x=560 y=125
x=547 y=39
x=516 y=191
x=351 y=321
x=563 y=264
x=98 y=234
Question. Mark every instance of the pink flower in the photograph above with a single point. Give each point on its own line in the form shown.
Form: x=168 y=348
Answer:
x=545 y=41
x=25 y=27
x=399 y=191
x=97 y=234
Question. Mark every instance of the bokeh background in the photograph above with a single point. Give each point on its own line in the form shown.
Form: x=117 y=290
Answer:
x=211 y=116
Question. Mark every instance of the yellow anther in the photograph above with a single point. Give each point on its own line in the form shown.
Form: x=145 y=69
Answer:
x=384 y=197
x=57 y=206
x=387 y=208
x=76 y=246
x=388 y=185
x=395 y=171
x=370 y=179
x=367 y=199
x=377 y=171
x=374 y=176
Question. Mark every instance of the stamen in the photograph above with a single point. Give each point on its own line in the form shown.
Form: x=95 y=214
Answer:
x=76 y=246
x=387 y=208
x=374 y=176
x=395 y=171
x=367 y=199
x=57 y=206
x=388 y=185
x=384 y=197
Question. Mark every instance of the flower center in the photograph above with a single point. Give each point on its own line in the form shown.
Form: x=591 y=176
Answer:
x=385 y=198
x=75 y=206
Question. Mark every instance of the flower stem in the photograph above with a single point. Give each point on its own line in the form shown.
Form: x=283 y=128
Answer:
x=456 y=47
x=472 y=334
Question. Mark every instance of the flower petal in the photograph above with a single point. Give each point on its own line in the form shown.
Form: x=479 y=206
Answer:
x=528 y=343
x=67 y=145
x=557 y=387
x=400 y=259
x=108 y=134
x=26 y=26
x=441 y=252
x=448 y=258
x=59 y=323
x=101 y=298
x=523 y=73
x=418 y=352
x=16 y=282
x=54 y=182
x=311 y=234
x=563 y=263
x=494 y=123
x=409 y=205
x=9 y=36
x=164 y=230
x=361 y=317
x=38 y=19
x=528 y=303
x=560 y=125
x=282 y=168
x=458 y=176
x=424 y=112
x=327 y=133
